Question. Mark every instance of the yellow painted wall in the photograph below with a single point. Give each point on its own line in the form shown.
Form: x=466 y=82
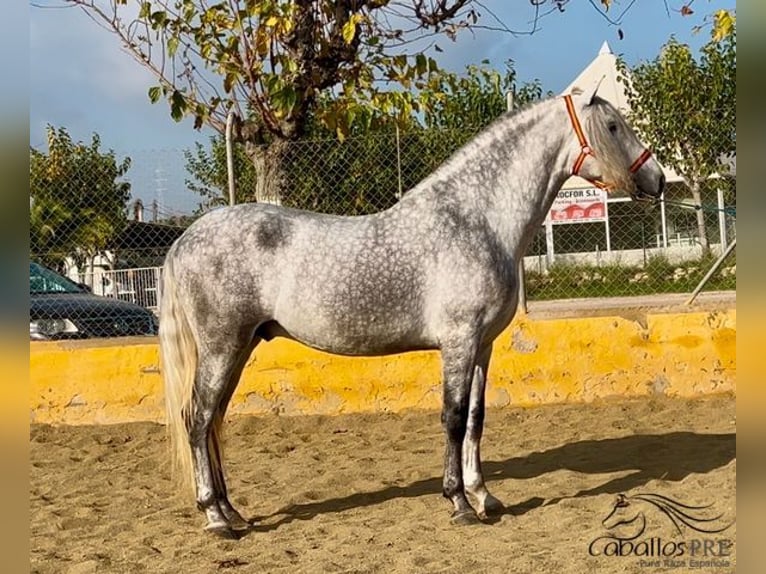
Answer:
x=534 y=362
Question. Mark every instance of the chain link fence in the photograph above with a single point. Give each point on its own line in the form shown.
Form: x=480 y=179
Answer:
x=99 y=233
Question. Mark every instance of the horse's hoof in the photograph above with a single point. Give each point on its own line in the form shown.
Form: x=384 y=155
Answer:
x=492 y=507
x=223 y=531
x=464 y=518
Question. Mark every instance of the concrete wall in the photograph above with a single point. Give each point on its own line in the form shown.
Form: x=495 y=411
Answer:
x=534 y=362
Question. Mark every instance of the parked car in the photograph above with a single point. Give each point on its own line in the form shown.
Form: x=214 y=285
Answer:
x=59 y=308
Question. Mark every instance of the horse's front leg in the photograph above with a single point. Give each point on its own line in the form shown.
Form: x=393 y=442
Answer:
x=458 y=365
x=473 y=477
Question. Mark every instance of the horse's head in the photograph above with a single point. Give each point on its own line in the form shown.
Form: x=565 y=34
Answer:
x=608 y=152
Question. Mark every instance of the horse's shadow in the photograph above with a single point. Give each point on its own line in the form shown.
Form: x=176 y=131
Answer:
x=670 y=456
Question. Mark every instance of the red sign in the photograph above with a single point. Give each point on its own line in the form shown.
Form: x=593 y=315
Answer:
x=579 y=206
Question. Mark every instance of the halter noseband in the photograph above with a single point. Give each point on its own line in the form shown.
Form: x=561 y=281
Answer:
x=586 y=150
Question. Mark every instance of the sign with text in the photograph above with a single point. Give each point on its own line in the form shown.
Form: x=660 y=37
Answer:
x=579 y=206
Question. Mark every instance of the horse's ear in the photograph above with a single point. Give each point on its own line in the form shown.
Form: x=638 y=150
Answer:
x=589 y=96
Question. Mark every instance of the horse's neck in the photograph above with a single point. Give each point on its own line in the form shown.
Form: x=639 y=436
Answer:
x=528 y=184
x=509 y=174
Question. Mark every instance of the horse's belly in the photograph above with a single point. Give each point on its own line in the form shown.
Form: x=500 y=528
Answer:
x=363 y=336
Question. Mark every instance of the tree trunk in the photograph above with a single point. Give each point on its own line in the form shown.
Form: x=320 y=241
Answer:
x=701 y=230
x=271 y=176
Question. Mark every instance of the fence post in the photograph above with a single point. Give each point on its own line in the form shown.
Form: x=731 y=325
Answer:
x=713 y=269
x=230 y=155
x=522 y=306
x=398 y=163
x=722 y=219
x=158 y=283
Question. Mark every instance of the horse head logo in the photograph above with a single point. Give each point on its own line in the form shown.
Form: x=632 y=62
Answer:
x=630 y=512
x=625 y=516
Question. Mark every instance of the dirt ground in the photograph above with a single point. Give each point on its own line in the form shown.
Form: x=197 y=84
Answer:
x=362 y=493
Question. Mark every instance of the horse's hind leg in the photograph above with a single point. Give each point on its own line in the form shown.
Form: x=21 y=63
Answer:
x=473 y=477
x=235 y=519
x=217 y=363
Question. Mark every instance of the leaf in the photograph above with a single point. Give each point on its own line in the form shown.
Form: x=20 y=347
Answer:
x=437 y=48
x=177 y=106
x=261 y=42
x=723 y=25
x=686 y=10
x=159 y=18
x=421 y=63
x=154 y=94
x=349 y=28
x=606 y=4
x=229 y=80
x=172 y=45
x=620 y=33
x=200 y=115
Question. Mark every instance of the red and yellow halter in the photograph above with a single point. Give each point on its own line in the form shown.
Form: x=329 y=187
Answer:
x=586 y=150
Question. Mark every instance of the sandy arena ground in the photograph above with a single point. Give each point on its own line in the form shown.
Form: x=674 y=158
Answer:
x=362 y=493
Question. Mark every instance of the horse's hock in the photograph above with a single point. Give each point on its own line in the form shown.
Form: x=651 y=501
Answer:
x=535 y=361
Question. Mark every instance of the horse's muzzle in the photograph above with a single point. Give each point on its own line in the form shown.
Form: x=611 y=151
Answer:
x=643 y=195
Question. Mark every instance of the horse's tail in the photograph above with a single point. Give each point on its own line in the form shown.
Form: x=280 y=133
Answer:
x=178 y=354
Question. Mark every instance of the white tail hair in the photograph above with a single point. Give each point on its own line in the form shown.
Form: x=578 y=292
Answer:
x=178 y=355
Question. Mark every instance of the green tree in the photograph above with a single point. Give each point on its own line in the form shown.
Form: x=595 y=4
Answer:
x=475 y=98
x=273 y=61
x=457 y=106
x=364 y=173
x=685 y=109
x=209 y=173
x=77 y=203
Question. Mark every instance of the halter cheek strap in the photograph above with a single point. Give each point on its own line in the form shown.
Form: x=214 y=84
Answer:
x=641 y=160
x=586 y=150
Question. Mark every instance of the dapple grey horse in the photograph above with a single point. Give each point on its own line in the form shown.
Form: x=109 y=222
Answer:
x=438 y=270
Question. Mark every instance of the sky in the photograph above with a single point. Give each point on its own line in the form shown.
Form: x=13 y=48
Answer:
x=82 y=80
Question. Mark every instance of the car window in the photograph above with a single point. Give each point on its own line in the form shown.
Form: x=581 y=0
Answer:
x=42 y=280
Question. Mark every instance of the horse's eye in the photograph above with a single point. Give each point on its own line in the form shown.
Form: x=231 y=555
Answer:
x=613 y=128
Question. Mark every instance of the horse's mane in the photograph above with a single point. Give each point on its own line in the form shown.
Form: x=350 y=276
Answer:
x=613 y=160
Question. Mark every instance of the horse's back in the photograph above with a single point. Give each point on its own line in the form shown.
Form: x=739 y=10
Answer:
x=346 y=280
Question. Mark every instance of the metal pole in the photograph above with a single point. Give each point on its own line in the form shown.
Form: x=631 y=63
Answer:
x=713 y=269
x=664 y=219
x=520 y=272
x=398 y=163
x=643 y=240
x=722 y=219
x=230 y=155
x=606 y=223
